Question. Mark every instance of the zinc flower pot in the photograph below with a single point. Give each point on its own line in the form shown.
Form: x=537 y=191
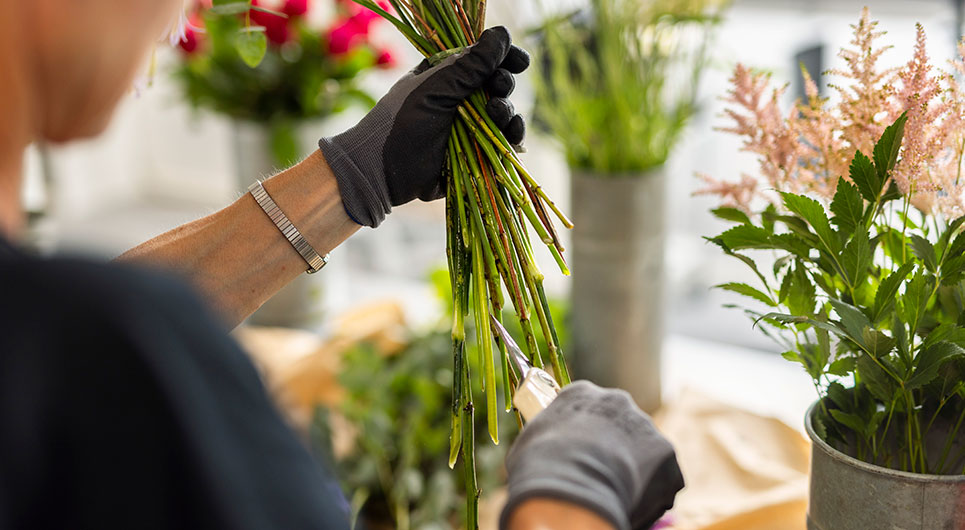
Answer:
x=618 y=281
x=849 y=494
x=297 y=304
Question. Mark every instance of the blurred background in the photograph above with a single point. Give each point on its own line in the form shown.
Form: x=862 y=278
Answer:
x=165 y=161
x=161 y=163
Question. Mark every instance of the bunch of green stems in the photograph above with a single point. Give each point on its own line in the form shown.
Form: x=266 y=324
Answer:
x=491 y=201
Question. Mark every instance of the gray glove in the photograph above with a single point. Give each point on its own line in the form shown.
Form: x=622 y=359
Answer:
x=593 y=447
x=396 y=153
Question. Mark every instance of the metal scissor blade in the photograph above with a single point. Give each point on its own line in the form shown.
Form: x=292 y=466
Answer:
x=515 y=353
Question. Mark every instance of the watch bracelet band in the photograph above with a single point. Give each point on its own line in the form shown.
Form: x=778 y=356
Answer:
x=312 y=258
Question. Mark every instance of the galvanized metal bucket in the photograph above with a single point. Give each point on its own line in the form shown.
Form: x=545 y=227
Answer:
x=848 y=494
x=618 y=281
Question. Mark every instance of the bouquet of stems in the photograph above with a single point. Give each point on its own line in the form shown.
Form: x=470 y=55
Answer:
x=490 y=197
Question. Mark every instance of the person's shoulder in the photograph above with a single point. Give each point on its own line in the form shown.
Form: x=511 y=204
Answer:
x=89 y=289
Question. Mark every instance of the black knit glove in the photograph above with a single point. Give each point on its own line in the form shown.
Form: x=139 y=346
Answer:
x=593 y=447
x=396 y=153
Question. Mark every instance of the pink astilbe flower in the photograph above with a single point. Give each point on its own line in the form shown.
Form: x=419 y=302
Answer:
x=809 y=148
x=733 y=194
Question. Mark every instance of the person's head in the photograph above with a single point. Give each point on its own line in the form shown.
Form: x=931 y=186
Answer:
x=82 y=56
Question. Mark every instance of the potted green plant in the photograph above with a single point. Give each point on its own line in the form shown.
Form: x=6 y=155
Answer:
x=616 y=86
x=276 y=74
x=863 y=216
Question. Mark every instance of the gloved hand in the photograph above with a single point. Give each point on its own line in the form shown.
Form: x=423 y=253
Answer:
x=396 y=153
x=593 y=447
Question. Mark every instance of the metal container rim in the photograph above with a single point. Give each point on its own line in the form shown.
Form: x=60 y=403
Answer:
x=870 y=468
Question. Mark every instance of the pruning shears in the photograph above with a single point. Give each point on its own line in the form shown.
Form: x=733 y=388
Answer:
x=536 y=389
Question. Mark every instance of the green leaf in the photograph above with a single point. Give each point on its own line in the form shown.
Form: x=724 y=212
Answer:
x=952 y=269
x=915 y=300
x=942 y=245
x=878 y=382
x=856 y=259
x=229 y=7
x=948 y=332
x=876 y=342
x=842 y=366
x=732 y=214
x=862 y=173
x=811 y=211
x=747 y=290
x=849 y=420
x=928 y=361
x=848 y=207
x=887 y=289
x=251 y=45
x=957 y=247
x=925 y=251
x=793 y=244
x=745 y=236
x=768 y=216
x=801 y=292
x=840 y=396
x=886 y=150
x=852 y=319
x=892 y=193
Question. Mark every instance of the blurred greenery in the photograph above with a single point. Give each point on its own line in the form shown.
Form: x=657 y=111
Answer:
x=397 y=475
x=296 y=81
x=617 y=83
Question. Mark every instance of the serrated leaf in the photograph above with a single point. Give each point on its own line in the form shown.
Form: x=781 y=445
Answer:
x=747 y=290
x=924 y=250
x=891 y=193
x=839 y=396
x=947 y=332
x=842 y=366
x=878 y=382
x=780 y=263
x=876 y=342
x=942 y=245
x=928 y=361
x=848 y=207
x=849 y=420
x=793 y=244
x=745 y=236
x=813 y=213
x=731 y=214
x=887 y=289
x=952 y=270
x=853 y=320
x=767 y=218
x=856 y=259
x=862 y=173
x=957 y=248
x=886 y=150
x=223 y=7
x=251 y=46
x=801 y=293
x=915 y=300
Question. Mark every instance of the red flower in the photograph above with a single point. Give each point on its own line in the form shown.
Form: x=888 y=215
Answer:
x=276 y=27
x=192 y=39
x=345 y=36
x=385 y=59
x=295 y=8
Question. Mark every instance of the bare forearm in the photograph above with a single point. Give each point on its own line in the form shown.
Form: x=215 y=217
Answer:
x=236 y=257
x=549 y=514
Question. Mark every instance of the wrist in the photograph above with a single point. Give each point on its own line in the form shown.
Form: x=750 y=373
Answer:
x=551 y=514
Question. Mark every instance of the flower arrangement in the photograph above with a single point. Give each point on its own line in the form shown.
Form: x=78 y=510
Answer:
x=861 y=207
x=268 y=63
x=618 y=82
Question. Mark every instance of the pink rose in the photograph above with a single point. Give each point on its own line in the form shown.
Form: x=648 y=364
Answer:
x=295 y=8
x=345 y=36
x=385 y=59
x=276 y=27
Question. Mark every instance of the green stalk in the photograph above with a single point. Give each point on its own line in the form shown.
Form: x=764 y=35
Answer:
x=485 y=339
x=468 y=453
